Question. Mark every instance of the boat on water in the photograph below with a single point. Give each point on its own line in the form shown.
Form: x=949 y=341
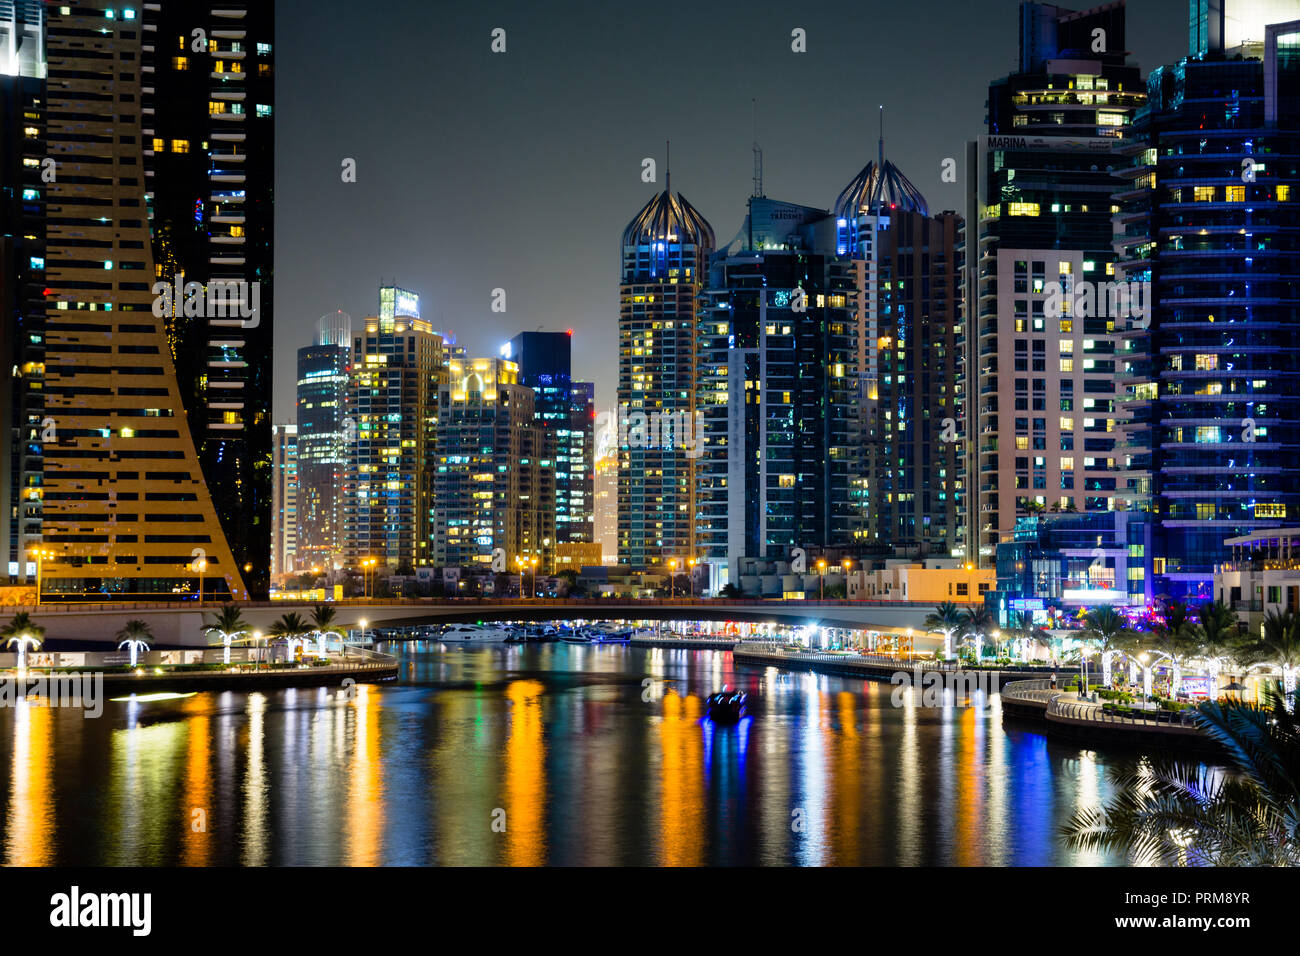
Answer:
x=575 y=637
x=726 y=706
x=473 y=634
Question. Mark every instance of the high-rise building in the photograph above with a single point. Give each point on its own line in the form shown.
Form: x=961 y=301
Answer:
x=605 y=487
x=388 y=511
x=324 y=440
x=493 y=488
x=1042 y=332
x=564 y=412
x=665 y=259
x=394 y=302
x=284 y=501
x=127 y=510
x=207 y=95
x=775 y=380
x=22 y=282
x=1209 y=218
x=906 y=487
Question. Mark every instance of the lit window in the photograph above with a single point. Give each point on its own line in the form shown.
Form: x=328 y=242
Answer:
x=180 y=62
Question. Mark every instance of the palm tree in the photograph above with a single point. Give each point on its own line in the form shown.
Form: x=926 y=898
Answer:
x=1176 y=639
x=977 y=622
x=1216 y=632
x=1107 y=628
x=946 y=620
x=1181 y=813
x=227 y=625
x=1021 y=627
x=322 y=617
x=134 y=634
x=24 y=632
x=290 y=627
x=1279 y=645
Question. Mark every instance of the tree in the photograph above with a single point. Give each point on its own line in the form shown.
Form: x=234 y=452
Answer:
x=976 y=623
x=1184 y=813
x=946 y=619
x=289 y=628
x=731 y=590
x=1106 y=628
x=134 y=636
x=1217 y=635
x=227 y=626
x=322 y=618
x=23 y=632
x=1176 y=639
x=1278 y=645
x=1021 y=627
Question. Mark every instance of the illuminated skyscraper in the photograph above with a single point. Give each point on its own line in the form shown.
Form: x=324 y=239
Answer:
x=1043 y=391
x=564 y=411
x=775 y=377
x=493 y=487
x=397 y=366
x=665 y=259
x=284 y=501
x=127 y=511
x=1209 y=216
x=325 y=440
x=208 y=160
x=907 y=488
x=22 y=282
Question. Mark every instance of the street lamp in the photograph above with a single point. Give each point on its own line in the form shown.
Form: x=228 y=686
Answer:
x=200 y=565
x=821 y=566
x=672 y=571
x=533 y=562
x=691 y=577
x=257 y=639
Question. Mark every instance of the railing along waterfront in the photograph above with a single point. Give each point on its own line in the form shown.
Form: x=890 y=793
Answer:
x=1093 y=713
x=1039 y=690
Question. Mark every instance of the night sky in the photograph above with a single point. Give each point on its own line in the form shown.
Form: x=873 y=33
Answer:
x=519 y=170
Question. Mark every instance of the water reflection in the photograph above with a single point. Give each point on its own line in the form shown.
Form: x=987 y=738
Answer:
x=532 y=755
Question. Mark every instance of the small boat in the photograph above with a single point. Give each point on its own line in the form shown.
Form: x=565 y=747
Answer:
x=726 y=706
x=573 y=637
x=612 y=637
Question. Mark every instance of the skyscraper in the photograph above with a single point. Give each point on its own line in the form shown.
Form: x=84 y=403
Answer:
x=325 y=440
x=397 y=365
x=907 y=477
x=284 y=501
x=207 y=95
x=493 y=488
x=1209 y=217
x=22 y=281
x=775 y=377
x=563 y=409
x=665 y=258
x=1044 y=393
x=127 y=511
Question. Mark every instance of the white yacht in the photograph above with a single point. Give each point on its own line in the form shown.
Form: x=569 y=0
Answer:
x=473 y=634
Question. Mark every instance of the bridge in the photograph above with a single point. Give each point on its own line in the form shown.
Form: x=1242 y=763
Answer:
x=181 y=625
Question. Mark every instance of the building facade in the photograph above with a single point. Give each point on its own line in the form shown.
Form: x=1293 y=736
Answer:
x=326 y=439
x=665 y=258
x=1210 y=214
x=493 y=487
x=284 y=502
x=907 y=468
x=775 y=379
x=208 y=144
x=388 y=508
x=127 y=511
x=1044 y=396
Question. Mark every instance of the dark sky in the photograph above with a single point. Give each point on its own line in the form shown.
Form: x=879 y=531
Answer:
x=519 y=170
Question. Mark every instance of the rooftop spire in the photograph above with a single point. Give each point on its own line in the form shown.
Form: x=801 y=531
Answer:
x=880 y=161
x=668 y=166
x=758 y=154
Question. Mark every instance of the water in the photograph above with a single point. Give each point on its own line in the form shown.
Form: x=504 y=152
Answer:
x=555 y=742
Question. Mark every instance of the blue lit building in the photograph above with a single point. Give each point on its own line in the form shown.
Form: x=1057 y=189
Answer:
x=564 y=410
x=1210 y=216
